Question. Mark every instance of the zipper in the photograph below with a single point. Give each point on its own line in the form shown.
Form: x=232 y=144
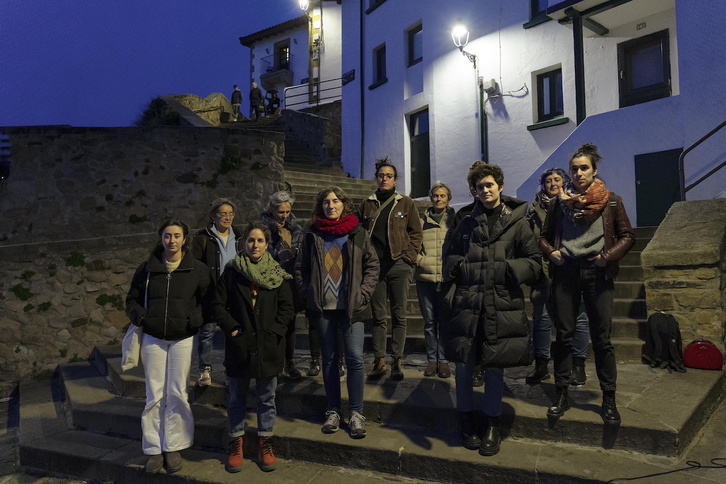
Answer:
x=166 y=301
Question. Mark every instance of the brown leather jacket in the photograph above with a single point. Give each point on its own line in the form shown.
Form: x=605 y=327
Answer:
x=619 y=235
x=404 y=226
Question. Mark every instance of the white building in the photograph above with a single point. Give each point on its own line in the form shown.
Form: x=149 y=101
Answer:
x=642 y=79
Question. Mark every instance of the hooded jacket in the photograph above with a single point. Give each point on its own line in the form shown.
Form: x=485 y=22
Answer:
x=488 y=304
x=167 y=305
x=360 y=268
x=404 y=226
x=259 y=347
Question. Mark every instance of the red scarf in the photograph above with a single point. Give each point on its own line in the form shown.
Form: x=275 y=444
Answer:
x=341 y=226
x=585 y=207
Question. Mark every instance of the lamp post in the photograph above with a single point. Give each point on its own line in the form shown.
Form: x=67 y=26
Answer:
x=460 y=36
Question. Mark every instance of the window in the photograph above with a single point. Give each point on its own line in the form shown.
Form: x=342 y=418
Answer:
x=644 y=69
x=282 y=55
x=379 y=66
x=415 y=48
x=549 y=95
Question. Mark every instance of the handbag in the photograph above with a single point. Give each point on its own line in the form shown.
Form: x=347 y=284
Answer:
x=703 y=355
x=131 y=347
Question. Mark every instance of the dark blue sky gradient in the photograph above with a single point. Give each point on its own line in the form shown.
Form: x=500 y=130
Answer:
x=99 y=62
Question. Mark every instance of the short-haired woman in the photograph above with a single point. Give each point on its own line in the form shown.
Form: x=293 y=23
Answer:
x=436 y=222
x=165 y=299
x=253 y=306
x=337 y=271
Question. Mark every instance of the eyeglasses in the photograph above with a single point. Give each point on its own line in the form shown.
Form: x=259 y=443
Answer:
x=225 y=214
x=385 y=176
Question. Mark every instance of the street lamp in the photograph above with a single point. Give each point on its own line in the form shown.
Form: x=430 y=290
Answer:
x=460 y=36
x=304 y=5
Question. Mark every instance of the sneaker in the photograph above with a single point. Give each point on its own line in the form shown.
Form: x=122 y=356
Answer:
x=357 y=425
x=292 y=372
x=154 y=464
x=205 y=378
x=332 y=422
x=314 y=369
x=431 y=369
x=174 y=462
x=265 y=455
x=235 y=459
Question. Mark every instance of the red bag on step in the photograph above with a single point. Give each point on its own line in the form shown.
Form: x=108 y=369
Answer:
x=703 y=355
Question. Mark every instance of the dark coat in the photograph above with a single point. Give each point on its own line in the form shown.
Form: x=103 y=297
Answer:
x=205 y=247
x=360 y=270
x=284 y=255
x=618 y=233
x=173 y=311
x=259 y=347
x=488 y=304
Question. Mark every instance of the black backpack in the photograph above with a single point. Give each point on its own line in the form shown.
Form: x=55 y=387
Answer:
x=663 y=346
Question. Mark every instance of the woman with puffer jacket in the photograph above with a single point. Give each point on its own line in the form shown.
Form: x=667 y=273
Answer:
x=436 y=221
x=336 y=272
x=491 y=253
x=165 y=299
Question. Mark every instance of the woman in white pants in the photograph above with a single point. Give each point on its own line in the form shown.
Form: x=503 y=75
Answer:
x=164 y=299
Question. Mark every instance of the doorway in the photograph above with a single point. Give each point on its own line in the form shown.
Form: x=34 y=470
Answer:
x=420 y=154
x=657 y=185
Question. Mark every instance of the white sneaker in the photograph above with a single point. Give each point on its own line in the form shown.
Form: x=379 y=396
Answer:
x=205 y=378
x=357 y=425
x=332 y=422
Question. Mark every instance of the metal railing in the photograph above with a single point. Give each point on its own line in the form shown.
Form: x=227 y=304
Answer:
x=276 y=62
x=681 y=170
x=313 y=94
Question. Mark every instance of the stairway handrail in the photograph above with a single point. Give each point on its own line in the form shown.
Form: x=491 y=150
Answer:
x=681 y=170
x=319 y=89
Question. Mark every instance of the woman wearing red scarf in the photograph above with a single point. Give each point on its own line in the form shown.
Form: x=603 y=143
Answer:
x=585 y=234
x=336 y=272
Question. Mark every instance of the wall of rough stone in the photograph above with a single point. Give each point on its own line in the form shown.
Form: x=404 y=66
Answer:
x=76 y=183
x=685 y=272
x=319 y=131
x=80 y=211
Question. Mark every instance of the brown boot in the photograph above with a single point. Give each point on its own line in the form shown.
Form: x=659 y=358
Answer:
x=379 y=369
x=431 y=369
x=397 y=369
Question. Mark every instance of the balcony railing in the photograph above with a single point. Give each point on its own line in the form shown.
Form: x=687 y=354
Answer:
x=311 y=94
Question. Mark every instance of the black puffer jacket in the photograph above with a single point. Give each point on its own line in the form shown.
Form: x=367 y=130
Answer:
x=488 y=304
x=360 y=268
x=205 y=247
x=173 y=311
x=259 y=348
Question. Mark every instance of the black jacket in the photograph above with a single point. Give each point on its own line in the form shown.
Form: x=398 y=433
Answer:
x=488 y=304
x=173 y=311
x=205 y=247
x=259 y=348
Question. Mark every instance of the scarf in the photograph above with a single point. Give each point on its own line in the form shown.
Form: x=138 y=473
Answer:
x=341 y=226
x=544 y=200
x=265 y=273
x=585 y=208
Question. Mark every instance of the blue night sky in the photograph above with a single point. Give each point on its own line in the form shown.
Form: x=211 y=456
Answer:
x=100 y=62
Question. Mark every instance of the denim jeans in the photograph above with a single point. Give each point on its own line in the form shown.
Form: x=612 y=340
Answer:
x=392 y=286
x=167 y=422
x=493 y=388
x=204 y=346
x=237 y=407
x=575 y=281
x=329 y=325
x=430 y=302
x=542 y=324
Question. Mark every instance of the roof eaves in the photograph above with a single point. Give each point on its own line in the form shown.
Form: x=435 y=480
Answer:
x=249 y=40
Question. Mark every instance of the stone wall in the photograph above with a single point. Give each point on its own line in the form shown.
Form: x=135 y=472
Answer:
x=685 y=271
x=318 y=129
x=75 y=183
x=80 y=211
x=214 y=109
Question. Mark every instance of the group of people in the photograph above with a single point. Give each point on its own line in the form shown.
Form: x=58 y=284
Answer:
x=257 y=102
x=356 y=263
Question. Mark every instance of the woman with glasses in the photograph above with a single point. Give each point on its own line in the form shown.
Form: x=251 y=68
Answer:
x=394 y=226
x=215 y=245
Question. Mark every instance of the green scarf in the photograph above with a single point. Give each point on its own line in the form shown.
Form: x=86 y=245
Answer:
x=265 y=273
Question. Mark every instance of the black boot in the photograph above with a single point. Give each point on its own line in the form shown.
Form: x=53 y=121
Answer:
x=578 y=377
x=560 y=405
x=610 y=413
x=469 y=422
x=490 y=440
x=540 y=372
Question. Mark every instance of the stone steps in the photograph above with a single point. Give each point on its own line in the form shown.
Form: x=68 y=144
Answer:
x=85 y=423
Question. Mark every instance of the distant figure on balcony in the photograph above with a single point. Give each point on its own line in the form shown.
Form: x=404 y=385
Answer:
x=236 y=102
x=257 y=102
